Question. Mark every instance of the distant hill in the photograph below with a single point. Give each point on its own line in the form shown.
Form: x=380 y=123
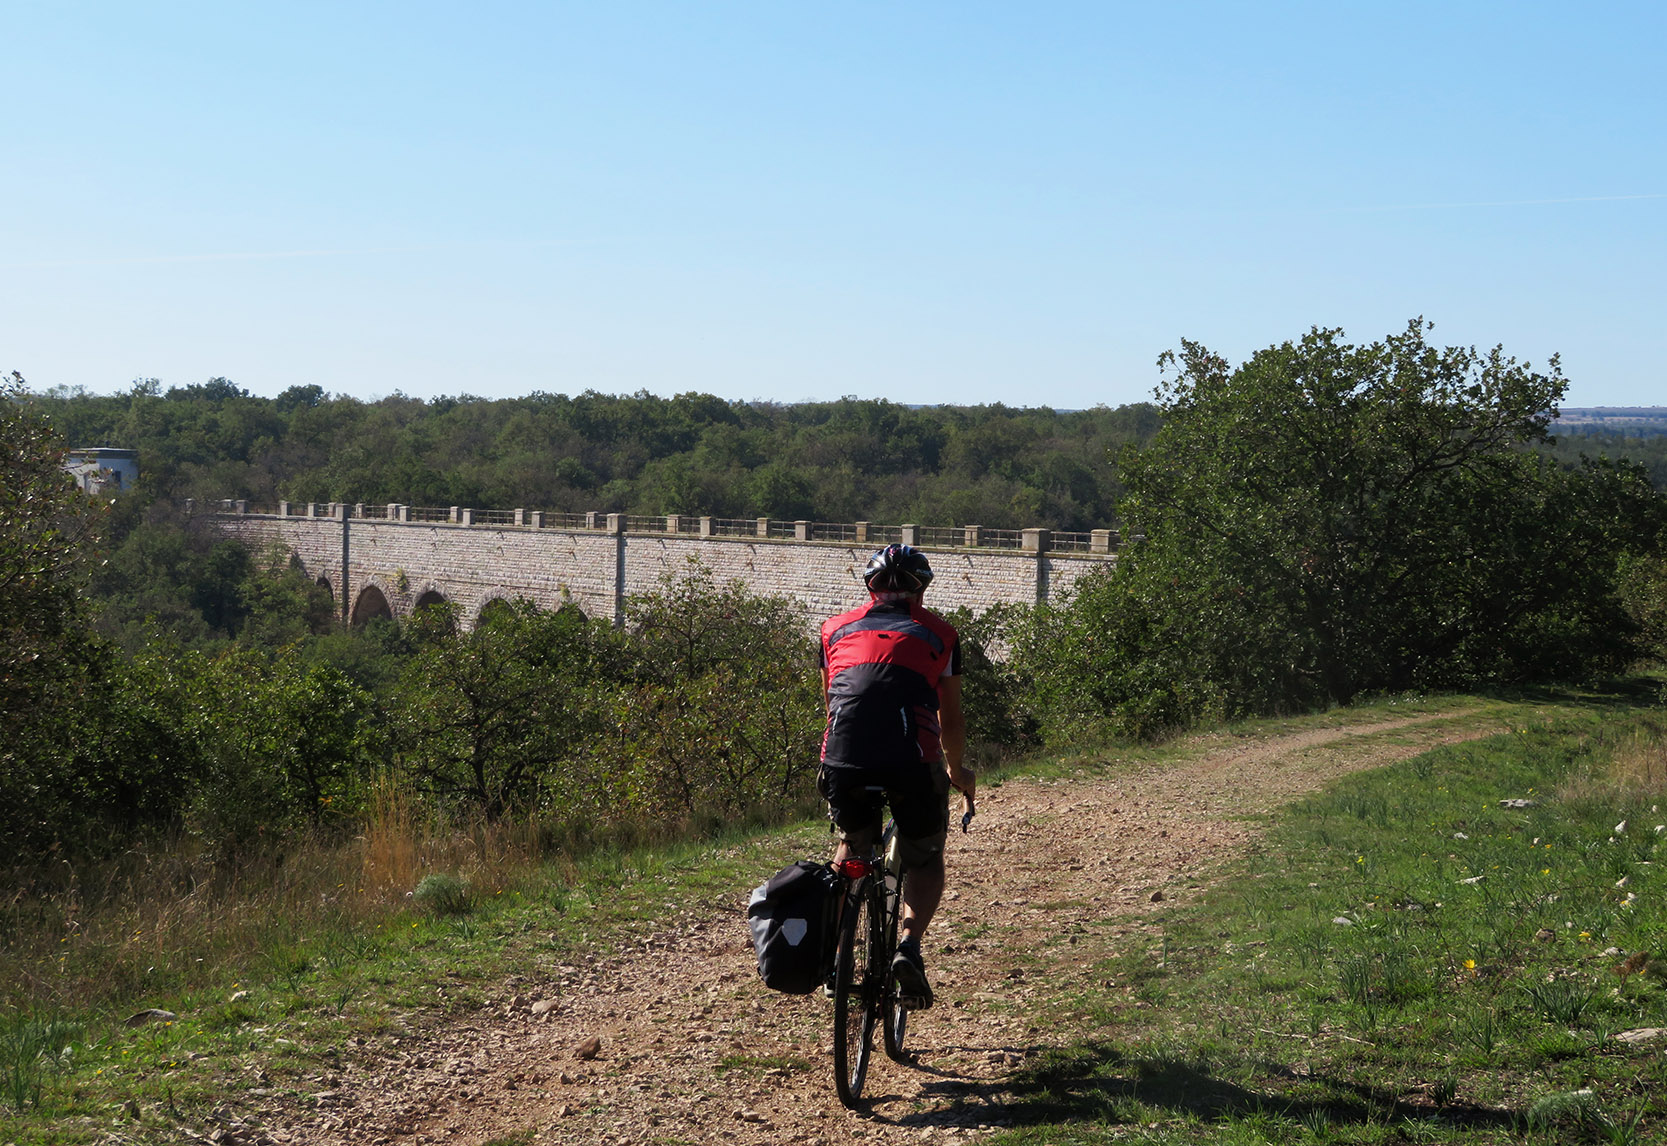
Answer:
x=1637 y=433
x=1618 y=419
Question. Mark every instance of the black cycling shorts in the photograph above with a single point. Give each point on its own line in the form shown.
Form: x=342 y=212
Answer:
x=918 y=793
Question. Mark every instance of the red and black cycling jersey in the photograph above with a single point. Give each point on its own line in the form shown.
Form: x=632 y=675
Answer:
x=883 y=663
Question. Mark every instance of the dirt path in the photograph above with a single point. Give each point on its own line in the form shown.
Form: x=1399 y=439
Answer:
x=695 y=1050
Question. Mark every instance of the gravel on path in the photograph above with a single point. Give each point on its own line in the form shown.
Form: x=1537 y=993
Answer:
x=674 y=1040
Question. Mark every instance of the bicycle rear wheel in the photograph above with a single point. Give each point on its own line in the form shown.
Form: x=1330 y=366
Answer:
x=856 y=999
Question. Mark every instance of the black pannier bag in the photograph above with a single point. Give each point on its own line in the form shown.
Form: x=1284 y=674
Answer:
x=791 y=915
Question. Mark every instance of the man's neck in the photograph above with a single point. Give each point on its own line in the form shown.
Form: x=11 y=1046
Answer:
x=891 y=597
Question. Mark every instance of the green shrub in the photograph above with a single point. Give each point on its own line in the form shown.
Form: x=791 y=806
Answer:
x=443 y=895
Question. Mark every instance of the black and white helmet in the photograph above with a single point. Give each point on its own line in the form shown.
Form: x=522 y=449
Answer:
x=898 y=569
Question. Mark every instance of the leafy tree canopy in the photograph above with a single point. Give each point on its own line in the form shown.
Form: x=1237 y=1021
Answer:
x=694 y=453
x=1329 y=518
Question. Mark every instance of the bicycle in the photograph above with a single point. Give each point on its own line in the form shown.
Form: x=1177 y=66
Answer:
x=865 y=991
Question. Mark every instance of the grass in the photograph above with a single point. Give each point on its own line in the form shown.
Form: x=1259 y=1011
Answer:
x=1409 y=958
x=313 y=993
x=1436 y=1014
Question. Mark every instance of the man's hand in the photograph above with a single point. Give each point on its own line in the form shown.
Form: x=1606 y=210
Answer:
x=965 y=781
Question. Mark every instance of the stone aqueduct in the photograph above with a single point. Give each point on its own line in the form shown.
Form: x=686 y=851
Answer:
x=391 y=560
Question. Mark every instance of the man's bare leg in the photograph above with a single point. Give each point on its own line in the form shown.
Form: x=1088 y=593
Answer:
x=922 y=891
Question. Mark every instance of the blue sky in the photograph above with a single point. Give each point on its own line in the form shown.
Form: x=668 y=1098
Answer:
x=931 y=202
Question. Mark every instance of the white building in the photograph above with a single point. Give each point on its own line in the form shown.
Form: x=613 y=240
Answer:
x=103 y=469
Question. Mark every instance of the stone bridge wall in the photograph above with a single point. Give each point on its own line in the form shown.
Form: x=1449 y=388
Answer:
x=375 y=566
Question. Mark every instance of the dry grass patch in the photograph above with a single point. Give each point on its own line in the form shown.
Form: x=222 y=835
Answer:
x=1634 y=770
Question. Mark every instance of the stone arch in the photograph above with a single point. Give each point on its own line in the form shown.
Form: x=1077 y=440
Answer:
x=324 y=583
x=428 y=598
x=371 y=604
x=433 y=599
x=495 y=601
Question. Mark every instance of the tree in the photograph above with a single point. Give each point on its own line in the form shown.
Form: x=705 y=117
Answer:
x=1327 y=519
x=1644 y=592
x=724 y=719
x=483 y=718
x=45 y=528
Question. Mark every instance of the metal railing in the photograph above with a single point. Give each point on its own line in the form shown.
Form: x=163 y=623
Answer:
x=943 y=537
x=833 y=531
x=428 y=513
x=1001 y=538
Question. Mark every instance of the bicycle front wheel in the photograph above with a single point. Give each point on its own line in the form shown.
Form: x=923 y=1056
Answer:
x=856 y=1001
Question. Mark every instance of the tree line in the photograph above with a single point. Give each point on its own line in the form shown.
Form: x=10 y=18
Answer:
x=1321 y=522
x=693 y=454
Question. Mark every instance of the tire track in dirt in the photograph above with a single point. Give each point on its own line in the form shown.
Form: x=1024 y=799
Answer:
x=695 y=1050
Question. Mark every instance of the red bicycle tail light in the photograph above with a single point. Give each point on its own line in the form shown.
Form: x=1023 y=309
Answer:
x=854 y=868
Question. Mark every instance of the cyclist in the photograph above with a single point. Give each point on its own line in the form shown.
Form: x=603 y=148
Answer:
x=891 y=679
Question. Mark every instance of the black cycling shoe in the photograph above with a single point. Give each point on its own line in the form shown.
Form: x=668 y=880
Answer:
x=909 y=969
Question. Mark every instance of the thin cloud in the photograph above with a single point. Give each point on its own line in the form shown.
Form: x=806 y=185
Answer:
x=217 y=257
x=1497 y=203
x=322 y=252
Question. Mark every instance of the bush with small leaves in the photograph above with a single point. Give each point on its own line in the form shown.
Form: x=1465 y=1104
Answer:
x=444 y=895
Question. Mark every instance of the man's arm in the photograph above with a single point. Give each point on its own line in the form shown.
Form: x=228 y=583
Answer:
x=953 y=725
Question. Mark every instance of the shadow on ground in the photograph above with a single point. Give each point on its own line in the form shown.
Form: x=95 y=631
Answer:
x=1097 y=1084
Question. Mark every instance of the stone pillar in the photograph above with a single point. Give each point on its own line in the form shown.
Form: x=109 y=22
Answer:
x=801 y=531
x=358 y=509
x=393 y=511
x=338 y=510
x=535 y=519
x=970 y=536
x=452 y=517
x=763 y=527
x=190 y=506
x=911 y=534
x=1036 y=541
x=242 y=506
x=464 y=515
x=862 y=533
x=706 y=527
x=592 y=520
x=616 y=526
x=520 y=517
x=1099 y=541
x=283 y=509
x=674 y=523
x=405 y=513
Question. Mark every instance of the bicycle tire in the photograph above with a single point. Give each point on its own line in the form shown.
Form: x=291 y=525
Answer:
x=855 y=999
x=894 y=1016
